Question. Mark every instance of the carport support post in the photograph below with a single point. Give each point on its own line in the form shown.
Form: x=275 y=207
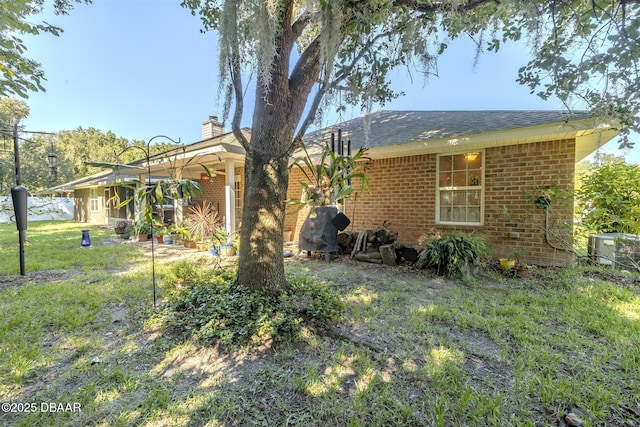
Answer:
x=178 y=204
x=230 y=200
x=141 y=205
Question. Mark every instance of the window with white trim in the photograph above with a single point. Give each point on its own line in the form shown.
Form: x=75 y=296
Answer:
x=93 y=200
x=237 y=191
x=460 y=196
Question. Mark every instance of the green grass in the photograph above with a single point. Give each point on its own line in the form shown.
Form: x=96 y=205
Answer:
x=410 y=349
x=56 y=246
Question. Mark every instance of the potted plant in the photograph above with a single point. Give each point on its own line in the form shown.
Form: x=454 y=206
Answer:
x=328 y=181
x=188 y=241
x=142 y=230
x=169 y=235
x=183 y=233
x=521 y=270
x=221 y=240
x=159 y=230
x=507 y=263
x=126 y=233
x=180 y=233
x=121 y=226
x=203 y=221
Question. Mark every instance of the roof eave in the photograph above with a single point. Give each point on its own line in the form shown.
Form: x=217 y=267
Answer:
x=589 y=136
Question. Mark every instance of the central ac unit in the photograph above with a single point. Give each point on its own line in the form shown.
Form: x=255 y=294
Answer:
x=617 y=249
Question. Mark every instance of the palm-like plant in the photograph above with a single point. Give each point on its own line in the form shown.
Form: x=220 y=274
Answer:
x=328 y=180
x=203 y=221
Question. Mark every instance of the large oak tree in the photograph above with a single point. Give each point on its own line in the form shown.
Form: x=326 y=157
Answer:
x=302 y=51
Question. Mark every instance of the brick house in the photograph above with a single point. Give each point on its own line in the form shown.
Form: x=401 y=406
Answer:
x=489 y=172
x=475 y=171
x=220 y=152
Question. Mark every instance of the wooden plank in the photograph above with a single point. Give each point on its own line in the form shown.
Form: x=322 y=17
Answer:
x=388 y=254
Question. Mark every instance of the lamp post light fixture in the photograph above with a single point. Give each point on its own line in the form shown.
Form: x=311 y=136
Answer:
x=53 y=164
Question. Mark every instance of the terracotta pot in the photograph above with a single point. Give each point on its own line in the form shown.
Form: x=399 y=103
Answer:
x=190 y=244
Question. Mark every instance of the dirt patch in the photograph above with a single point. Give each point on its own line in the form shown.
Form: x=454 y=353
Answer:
x=41 y=276
x=170 y=253
x=614 y=277
x=484 y=360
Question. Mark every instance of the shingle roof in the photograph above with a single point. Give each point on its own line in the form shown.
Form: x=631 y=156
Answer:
x=387 y=128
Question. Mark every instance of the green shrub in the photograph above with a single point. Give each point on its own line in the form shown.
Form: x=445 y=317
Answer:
x=187 y=272
x=219 y=309
x=608 y=199
x=313 y=301
x=452 y=254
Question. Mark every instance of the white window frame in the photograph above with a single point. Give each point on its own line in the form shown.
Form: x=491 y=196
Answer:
x=480 y=187
x=93 y=200
x=237 y=187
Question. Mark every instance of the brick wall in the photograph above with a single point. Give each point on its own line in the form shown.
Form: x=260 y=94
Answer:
x=293 y=219
x=515 y=176
x=213 y=191
x=403 y=192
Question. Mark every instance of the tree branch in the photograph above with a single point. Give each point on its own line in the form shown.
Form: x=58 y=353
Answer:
x=298 y=27
x=311 y=115
x=309 y=59
x=434 y=7
x=236 y=77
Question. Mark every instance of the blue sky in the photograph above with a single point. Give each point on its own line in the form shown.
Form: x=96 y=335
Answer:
x=142 y=68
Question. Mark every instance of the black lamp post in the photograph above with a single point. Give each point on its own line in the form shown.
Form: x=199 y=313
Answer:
x=19 y=194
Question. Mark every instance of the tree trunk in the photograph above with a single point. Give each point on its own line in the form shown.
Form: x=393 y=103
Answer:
x=372 y=257
x=278 y=110
x=261 y=265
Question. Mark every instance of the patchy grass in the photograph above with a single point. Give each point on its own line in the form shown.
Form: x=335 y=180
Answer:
x=54 y=246
x=410 y=349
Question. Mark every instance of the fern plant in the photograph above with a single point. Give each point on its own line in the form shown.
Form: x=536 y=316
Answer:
x=452 y=254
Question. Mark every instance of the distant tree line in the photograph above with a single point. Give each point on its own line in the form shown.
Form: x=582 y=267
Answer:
x=72 y=147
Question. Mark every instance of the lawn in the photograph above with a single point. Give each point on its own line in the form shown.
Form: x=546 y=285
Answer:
x=81 y=344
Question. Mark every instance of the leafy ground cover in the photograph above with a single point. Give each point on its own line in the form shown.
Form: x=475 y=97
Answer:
x=556 y=348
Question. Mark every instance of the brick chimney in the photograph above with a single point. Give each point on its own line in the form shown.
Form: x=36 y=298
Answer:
x=212 y=128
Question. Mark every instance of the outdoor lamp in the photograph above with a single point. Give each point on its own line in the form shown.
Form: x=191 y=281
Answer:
x=53 y=160
x=53 y=164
